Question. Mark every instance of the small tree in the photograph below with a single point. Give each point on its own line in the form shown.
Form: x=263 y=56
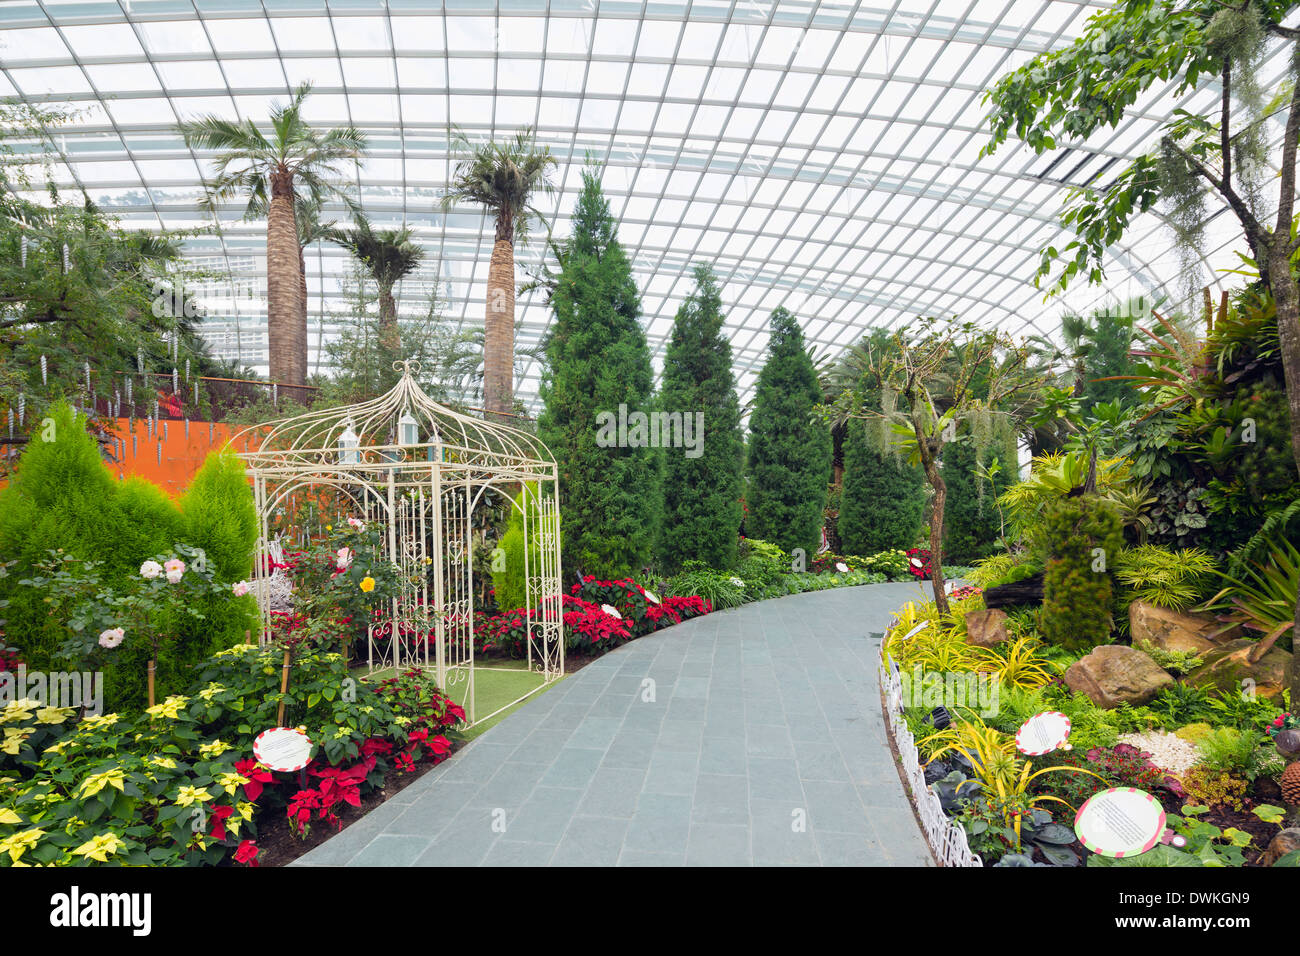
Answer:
x=701 y=515
x=790 y=445
x=945 y=375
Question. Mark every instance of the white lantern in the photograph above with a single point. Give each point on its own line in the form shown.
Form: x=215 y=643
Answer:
x=408 y=430
x=349 y=447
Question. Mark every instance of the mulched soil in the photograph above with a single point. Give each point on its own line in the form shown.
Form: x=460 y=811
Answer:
x=280 y=845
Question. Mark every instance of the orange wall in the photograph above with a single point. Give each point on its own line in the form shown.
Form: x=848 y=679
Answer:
x=169 y=460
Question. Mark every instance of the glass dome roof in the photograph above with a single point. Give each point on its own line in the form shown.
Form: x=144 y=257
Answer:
x=823 y=155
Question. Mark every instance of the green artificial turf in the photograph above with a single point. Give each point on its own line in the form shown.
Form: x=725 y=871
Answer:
x=494 y=688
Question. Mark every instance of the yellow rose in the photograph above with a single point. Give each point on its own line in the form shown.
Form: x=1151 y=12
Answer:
x=367 y=584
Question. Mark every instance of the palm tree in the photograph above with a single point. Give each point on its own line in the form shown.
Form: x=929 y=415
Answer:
x=389 y=255
x=502 y=178
x=270 y=170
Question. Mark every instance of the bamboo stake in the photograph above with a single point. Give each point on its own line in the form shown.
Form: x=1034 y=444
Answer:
x=284 y=689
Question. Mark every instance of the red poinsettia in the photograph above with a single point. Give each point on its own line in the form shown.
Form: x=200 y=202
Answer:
x=918 y=562
x=258 y=777
x=247 y=853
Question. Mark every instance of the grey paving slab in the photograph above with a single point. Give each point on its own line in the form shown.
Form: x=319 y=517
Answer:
x=748 y=737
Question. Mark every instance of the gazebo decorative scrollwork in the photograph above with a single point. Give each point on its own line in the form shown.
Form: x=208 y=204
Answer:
x=419 y=470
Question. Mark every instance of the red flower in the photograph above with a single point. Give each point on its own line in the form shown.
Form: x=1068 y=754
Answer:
x=247 y=853
x=219 y=817
x=258 y=776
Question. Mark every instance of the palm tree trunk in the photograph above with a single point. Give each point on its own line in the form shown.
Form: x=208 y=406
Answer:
x=286 y=328
x=302 y=311
x=389 y=338
x=499 y=329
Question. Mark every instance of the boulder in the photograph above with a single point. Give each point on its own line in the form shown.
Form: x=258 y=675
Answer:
x=1285 y=842
x=986 y=628
x=1288 y=744
x=1228 y=668
x=1115 y=674
x=1175 y=631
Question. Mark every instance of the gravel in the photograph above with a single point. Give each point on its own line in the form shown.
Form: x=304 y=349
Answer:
x=1168 y=752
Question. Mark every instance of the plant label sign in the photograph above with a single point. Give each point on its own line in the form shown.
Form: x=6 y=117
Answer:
x=651 y=597
x=282 y=748
x=1121 y=822
x=841 y=567
x=1043 y=733
x=915 y=631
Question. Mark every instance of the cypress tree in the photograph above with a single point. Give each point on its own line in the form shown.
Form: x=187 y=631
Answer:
x=971 y=524
x=883 y=498
x=598 y=371
x=790 y=446
x=701 y=513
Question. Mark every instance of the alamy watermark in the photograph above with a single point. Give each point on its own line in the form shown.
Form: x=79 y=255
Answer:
x=54 y=688
x=638 y=429
x=949 y=689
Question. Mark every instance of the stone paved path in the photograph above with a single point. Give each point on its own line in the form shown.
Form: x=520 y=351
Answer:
x=764 y=716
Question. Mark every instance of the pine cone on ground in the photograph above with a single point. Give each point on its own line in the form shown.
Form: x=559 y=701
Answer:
x=1290 y=781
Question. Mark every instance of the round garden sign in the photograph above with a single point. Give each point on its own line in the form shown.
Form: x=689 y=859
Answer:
x=282 y=748
x=1121 y=822
x=1043 y=733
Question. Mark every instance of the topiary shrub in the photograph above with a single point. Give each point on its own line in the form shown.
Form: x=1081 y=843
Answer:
x=1083 y=535
x=508 y=577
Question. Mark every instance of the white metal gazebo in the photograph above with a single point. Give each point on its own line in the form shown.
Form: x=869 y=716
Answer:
x=419 y=470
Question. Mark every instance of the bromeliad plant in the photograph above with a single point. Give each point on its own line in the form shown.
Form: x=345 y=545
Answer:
x=1264 y=600
x=1003 y=775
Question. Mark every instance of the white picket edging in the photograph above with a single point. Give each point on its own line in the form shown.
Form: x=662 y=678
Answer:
x=947 y=839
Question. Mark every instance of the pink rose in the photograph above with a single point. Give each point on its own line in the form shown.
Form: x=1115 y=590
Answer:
x=112 y=637
x=240 y=588
x=175 y=569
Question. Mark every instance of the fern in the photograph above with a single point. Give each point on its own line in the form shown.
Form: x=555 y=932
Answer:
x=1273 y=525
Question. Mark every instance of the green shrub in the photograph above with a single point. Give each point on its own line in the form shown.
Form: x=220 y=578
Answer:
x=509 y=581
x=883 y=498
x=717 y=587
x=1082 y=534
x=62 y=497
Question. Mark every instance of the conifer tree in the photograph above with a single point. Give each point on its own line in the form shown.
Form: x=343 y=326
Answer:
x=790 y=445
x=883 y=498
x=701 y=513
x=598 y=370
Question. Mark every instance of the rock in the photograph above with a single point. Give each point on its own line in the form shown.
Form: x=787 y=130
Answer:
x=1028 y=591
x=1177 y=632
x=1288 y=744
x=1115 y=674
x=986 y=628
x=1228 y=669
x=1285 y=842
